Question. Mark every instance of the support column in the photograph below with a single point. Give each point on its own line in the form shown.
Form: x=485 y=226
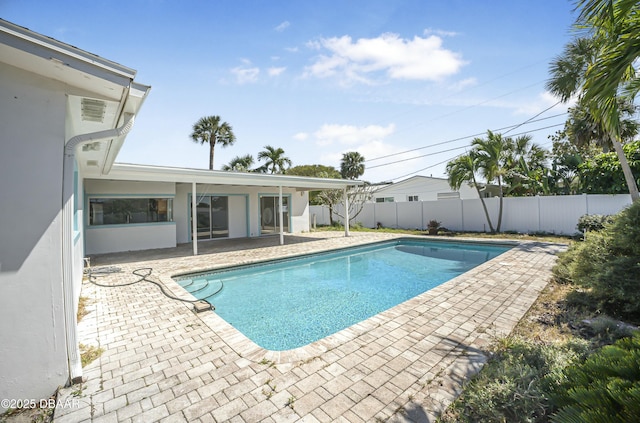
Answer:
x=346 y=212
x=281 y=215
x=194 y=219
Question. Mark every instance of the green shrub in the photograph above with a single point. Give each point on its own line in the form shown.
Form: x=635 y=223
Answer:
x=514 y=385
x=604 y=388
x=608 y=263
x=593 y=222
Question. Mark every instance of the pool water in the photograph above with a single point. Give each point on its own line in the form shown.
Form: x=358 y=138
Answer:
x=290 y=303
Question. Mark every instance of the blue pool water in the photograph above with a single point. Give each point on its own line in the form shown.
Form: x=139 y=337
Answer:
x=290 y=303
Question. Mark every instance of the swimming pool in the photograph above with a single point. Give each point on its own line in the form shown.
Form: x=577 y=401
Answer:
x=289 y=303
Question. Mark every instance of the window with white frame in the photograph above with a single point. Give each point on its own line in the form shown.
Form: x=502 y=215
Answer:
x=413 y=198
x=122 y=211
x=384 y=199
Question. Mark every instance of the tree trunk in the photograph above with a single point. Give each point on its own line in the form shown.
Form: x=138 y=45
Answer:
x=626 y=169
x=500 y=209
x=331 y=214
x=484 y=206
x=211 y=145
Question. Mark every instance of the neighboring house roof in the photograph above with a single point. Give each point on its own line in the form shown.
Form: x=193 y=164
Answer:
x=412 y=179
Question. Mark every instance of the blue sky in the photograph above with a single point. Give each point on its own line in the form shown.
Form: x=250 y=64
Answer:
x=320 y=78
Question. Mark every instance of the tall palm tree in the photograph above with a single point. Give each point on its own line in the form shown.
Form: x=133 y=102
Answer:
x=584 y=129
x=275 y=160
x=491 y=157
x=211 y=130
x=352 y=165
x=614 y=24
x=583 y=67
x=463 y=169
x=239 y=164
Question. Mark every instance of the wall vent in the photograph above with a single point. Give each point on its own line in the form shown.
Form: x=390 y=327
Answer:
x=93 y=110
x=92 y=146
x=92 y=163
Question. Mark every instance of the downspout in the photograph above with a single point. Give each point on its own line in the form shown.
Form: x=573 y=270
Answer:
x=73 y=352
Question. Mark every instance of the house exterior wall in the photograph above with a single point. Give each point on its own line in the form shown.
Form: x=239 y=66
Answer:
x=131 y=237
x=244 y=206
x=32 y=337
x=243 y=214
x=425 y=188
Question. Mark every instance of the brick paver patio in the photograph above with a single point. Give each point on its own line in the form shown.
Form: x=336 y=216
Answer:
x=163 y=362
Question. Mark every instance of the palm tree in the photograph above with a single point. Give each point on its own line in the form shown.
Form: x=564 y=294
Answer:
x=573 y=73
x=463 y=169
x=210 y=130
x=239 y=164
x=352 y=165
x=526 y=167
x=275 y=160
x=491 y=159
x=614 y=25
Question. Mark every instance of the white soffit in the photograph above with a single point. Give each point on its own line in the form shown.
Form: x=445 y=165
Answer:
x=124 y=172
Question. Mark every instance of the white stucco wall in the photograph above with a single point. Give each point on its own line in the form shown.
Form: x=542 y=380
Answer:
x=427 y=189
x=239 y=199
x=32 y=338
x=115 y=238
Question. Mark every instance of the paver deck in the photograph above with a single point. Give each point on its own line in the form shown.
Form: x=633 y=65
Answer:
x=164 y=362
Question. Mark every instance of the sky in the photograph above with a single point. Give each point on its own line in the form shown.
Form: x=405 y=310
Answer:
x=406 y=83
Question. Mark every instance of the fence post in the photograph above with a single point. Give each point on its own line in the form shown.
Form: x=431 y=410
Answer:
x=396 y=204
x=586 y=203
x=539 y=220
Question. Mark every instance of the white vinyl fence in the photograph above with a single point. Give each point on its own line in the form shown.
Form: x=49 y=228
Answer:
x=552 y=214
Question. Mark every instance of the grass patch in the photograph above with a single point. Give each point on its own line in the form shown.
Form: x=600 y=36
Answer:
x=83 y=302
x=521 y=380
x=89 y=353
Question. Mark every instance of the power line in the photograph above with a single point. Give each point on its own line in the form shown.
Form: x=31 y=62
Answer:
x=531 y=119
x=454 y=148
x=468 y=136
x=458 y=155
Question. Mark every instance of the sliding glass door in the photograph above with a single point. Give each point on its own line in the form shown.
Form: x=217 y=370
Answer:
x=270 y=214
x=212 y=214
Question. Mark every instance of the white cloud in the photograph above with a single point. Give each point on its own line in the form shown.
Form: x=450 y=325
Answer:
x=350 y=134
x=463 y=84
x=275 y=71
x=284 y=25
x=301 y=136
x=410 y=59
x=246 y=73
x=543 y=101
x=439 y=32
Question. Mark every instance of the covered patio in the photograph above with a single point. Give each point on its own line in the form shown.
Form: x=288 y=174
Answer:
x=244 y=204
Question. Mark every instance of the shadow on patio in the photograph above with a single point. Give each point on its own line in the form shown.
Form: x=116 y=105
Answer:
x=204 y=247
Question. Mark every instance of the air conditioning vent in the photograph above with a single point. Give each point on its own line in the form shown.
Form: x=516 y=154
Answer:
x=92 y=163
x=93 y=110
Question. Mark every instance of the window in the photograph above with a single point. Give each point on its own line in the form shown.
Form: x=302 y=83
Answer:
x=384 y=199
x=122 y=211
x=413 y=198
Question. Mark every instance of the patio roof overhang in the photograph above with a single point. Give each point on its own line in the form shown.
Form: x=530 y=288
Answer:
x=135 y=172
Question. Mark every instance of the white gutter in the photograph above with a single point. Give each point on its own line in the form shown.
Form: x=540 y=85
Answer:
x=73 y=352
